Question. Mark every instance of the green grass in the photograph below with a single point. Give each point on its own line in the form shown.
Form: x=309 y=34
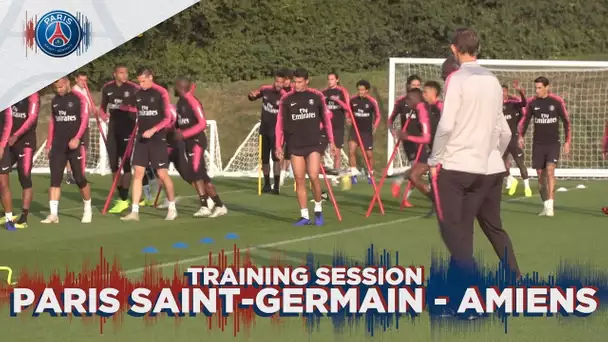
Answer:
x=577 y=233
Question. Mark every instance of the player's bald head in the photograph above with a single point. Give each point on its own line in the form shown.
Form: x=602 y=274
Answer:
x=449 y=66
x=62 y=85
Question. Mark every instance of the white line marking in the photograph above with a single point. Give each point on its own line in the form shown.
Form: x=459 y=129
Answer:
x=281 y=243
x=301 y=239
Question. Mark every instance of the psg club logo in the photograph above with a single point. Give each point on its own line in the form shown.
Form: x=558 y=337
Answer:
x=58 y=33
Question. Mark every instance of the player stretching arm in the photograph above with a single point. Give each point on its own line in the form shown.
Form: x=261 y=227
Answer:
x=191 y=125
x=116 y=95
x=67 y=142
x=6 y=125
x=154 y=114
x=545 y=110
x=512 y=109
x=270 y=95
x=367 y=118
x=22 y=144
x=338 y=101
x=403 y=112
x=301 y=114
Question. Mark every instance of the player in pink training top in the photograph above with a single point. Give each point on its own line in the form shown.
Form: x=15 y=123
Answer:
x=338 y=101
x=545 y=110
x=270 y=95
x=22 y=145
x=366 y=112
x=6 y=125
x=67 y=142
x=191 y=126
x=116 y=98
x=305 y=122
x=154 y=115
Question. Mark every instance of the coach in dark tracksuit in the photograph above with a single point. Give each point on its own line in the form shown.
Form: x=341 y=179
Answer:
x=466 y=159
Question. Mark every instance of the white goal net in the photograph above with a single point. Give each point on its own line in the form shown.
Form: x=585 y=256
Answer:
x=582 y=85
x=246 y=161
x=97 y=156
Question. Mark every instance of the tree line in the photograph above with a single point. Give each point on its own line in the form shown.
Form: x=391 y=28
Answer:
x=233 y=40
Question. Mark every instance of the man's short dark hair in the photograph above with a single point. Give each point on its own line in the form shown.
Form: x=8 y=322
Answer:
x=335 y=73
x=434 y=85
x=411 y=79
x=300 y=73
x=414 y=93
x=81 y=73
x=287 y=72
x=466 y=41
x=119 y=66
x=145 y=71
x=543 y=80
x=364 y=83
x=449 y=66
x=280 y=73
x=504 y=86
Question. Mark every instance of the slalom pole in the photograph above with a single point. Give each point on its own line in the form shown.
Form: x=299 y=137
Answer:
x=367 y=164
x=385 y=172
x=260 y=171
x=331 y=193
x=409 y=182
x=126 y=155
x=99 y=127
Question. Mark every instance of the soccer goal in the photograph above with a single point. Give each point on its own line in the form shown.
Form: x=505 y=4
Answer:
x=582 y=85
x=245 y=161
x=97 y=161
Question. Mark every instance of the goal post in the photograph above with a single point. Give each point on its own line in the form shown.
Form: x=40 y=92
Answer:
x=97 y=161
x=245 y=161
x=582 y=85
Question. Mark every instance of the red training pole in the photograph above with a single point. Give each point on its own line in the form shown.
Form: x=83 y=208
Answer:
x=385 y=172
x=126 y=155
x=409 y=183
x=103 y=136
x=367 y=164
x=331 y=193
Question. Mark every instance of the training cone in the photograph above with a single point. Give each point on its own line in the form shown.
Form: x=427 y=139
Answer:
x=346 y=182
x=581 y=186
x=562 y=189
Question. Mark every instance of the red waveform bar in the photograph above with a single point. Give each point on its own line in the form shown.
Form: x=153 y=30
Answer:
x=29 y=33
x=110 y=274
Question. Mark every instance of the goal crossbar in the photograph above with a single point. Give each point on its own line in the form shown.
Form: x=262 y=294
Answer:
x=582 y=84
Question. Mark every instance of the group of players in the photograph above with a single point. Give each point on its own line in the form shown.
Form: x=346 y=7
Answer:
x=299 y=123
x=146 y=133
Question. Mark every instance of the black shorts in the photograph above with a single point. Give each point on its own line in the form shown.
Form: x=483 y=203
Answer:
x=543 y=154
x=411 y=152
x=307 y=150
x=339 y=137
x=151 y=152
x=59 y=155
x=366 y=137
x=286 y=151
x=268 y=151
x=23 y=156
x=513 y=149
x=6 y=161
x=118 y=140
x=195 y=162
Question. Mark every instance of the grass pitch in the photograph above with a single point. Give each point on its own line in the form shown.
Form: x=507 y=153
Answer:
x=577 y=233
